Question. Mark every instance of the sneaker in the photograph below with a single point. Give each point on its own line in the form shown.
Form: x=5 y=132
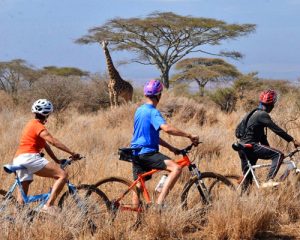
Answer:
x=52 y=210
x=270 y=183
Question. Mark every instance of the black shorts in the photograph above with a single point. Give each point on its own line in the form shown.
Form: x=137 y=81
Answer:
x=148 y=161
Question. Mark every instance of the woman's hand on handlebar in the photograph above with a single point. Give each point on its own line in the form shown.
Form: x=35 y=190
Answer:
x=76 y=156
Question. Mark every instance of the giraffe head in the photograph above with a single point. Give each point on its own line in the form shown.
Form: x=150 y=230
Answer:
x=104 y=44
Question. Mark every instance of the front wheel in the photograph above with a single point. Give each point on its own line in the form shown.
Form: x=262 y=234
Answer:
x=202 y=192
x=88 y=206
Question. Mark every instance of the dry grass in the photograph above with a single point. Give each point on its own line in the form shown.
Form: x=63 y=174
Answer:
x=263 y=214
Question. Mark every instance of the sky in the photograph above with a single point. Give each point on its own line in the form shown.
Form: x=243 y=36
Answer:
x=43 y=33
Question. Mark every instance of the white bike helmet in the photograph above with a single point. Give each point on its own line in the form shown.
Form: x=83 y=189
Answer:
x=43 y=107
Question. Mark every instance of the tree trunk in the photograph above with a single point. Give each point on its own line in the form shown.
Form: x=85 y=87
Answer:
x=201 y=87
x=165 y=76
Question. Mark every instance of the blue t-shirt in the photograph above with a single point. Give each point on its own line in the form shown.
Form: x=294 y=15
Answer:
x=147 y=122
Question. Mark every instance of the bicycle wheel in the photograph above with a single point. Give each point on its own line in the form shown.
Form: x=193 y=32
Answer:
x=121 y=200
x=215 y=187
x=8 y=206
x=234 y=179
x=88 y=207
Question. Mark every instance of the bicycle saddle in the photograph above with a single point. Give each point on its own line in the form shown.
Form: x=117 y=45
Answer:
x=10 y=168
x=240 y=146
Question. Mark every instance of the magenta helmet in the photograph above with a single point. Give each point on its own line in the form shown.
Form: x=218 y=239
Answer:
x=153 y=88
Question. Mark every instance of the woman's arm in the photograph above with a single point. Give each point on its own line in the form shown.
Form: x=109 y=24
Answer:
x=51 y=153
x=55 y=142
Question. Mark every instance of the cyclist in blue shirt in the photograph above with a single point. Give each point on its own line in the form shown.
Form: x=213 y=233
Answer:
x=148 y=122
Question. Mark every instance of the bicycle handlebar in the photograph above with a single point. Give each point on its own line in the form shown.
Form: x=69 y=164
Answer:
x=292 y=153
x=188 y=148
x=65 y=162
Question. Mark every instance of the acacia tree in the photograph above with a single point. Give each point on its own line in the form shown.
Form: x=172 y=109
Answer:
x=164 y=38
x=64 y=71
x=16 y=74
x=204 y=70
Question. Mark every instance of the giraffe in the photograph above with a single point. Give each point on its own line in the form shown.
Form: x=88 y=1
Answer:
x=116 y=86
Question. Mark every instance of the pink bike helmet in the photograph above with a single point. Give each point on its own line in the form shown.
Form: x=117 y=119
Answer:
x=153 y=88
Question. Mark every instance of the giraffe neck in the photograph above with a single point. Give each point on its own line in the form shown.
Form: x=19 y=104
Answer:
x=113 y=73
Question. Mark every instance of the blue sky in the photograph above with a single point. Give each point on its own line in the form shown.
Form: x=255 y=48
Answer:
x=43 y=32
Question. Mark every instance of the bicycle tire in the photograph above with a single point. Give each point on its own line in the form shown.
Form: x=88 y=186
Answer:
x=9 y=208
x=215 y=184
x=114 y=188
x=92 y=205
x=234 y=179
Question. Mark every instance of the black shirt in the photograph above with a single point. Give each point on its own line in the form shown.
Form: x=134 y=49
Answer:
x=255 y=128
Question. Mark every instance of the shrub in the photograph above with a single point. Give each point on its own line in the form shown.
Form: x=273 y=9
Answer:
x=225 y=98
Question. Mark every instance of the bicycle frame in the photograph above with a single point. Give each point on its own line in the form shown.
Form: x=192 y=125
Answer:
x=290 y=166
x=41 y=198
x=183 y=162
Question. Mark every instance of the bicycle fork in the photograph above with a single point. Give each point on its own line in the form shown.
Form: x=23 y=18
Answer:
x=204 y=193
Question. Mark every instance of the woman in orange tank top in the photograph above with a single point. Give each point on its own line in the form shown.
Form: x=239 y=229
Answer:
x=35 y=137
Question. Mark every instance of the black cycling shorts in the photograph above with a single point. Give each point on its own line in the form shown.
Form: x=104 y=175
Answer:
x=148 y=161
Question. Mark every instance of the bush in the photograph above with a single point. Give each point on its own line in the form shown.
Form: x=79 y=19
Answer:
x=61 y=91
x=225 y=98
x=93 y=96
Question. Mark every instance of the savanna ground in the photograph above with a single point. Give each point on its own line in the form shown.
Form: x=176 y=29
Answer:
x=270 y=214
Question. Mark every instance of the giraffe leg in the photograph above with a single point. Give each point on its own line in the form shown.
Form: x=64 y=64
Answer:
x=111 y=96
x=115 y=100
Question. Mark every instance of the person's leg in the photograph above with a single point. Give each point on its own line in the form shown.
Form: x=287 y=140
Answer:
x=136 y=169
x=174 y=174
x=52 y=170
x=266 y=152
x=25 y=186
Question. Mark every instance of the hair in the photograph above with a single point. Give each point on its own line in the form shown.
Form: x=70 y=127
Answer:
x=155 y=97
x=40 y=117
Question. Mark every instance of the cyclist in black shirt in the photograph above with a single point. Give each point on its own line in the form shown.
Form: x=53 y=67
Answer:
x=256 y=135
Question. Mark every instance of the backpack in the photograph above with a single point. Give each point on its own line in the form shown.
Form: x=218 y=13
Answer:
x=241 y=128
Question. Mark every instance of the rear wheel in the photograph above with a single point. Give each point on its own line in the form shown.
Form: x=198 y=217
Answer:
x=125 y=203
x=89 y=207
x=200 y=193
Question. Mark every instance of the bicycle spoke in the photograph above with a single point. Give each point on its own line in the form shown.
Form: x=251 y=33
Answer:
x=201 y=193
x=87 y=207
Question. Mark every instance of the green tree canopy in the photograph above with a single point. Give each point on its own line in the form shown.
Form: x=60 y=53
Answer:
x=64 y=71
x=204 y=70
x=164 y=38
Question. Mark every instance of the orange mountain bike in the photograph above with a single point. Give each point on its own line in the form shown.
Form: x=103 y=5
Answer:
x=199 y=191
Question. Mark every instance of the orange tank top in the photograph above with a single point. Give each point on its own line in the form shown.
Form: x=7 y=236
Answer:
x=31 y=142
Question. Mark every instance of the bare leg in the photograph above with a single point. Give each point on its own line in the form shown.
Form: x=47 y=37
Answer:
x=135 y=200
x=52 y=170
x=25 y=186
x=175 y=171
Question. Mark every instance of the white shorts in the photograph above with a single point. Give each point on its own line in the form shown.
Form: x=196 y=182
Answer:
x=33 y=163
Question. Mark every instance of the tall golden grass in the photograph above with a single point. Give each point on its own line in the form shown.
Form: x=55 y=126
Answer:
x=271 y=214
